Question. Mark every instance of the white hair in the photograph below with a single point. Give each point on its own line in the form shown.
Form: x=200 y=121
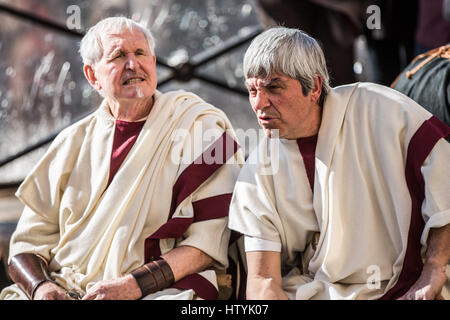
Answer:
x=91 y=48
x=290 y=52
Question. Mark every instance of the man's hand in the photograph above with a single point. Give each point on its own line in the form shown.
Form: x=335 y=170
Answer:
x=50 y=291
x=433 y=277
x=124 y=288
x=428 y=286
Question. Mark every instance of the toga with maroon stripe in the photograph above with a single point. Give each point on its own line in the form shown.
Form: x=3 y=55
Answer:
x=108 y=195
x=351 y=209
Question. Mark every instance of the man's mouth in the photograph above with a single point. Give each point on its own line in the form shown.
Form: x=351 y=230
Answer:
x=133 y=81
x=265 y=118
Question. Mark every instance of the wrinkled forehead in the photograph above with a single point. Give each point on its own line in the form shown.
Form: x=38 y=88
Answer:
x=264 y=81
x=257 y=82
x=123 y=39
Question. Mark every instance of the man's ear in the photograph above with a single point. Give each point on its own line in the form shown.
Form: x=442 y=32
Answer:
x=90 y=76
x=317 y=91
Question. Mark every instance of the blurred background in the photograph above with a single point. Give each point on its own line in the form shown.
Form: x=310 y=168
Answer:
x=199 y=46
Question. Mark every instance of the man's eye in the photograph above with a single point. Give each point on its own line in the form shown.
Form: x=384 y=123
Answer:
x=116 y=56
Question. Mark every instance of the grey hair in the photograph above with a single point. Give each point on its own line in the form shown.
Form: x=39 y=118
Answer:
x=291 y=52
x=91 y=48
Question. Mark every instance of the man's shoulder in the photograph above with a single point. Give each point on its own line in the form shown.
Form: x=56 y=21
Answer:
x=375 y=98
x=369 y=89
x=192 y=113
x=75 y=129
x=382 y=112
x=188 y=104
x=180 y=98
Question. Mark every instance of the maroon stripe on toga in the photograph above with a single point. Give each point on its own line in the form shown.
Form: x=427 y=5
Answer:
x=188 y=181
x=205 y=209
x=419 y=148
x=202 y=168
x=210 y=208
x=307 y=147
x=202 y=287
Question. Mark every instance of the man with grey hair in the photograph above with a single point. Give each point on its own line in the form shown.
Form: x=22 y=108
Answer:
x=124 y=205
x=352 y=201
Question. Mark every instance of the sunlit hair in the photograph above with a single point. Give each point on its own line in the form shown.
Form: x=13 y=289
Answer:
x=91 y=48
x=291 y=52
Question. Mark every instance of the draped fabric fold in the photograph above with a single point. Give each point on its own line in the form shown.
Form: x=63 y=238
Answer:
x=91 y=230
x=380 y=183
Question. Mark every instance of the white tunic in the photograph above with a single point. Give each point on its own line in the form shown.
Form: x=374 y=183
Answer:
x=89 y=232
x=374 y=147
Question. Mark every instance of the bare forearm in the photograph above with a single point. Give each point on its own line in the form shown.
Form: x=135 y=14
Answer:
x=438 y=251
x=260 y=288
x=187 y=260
x=182 y=261
x=264 y=276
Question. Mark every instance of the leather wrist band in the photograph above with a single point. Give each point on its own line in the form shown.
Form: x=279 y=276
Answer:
x=28 y=271
x=153 y=276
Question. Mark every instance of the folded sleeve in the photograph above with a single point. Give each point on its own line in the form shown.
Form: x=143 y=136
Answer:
x=34 y=234
x=436 y=206
x=257 y=244
x=253 y=205
x=44 y=186
x=38 y=227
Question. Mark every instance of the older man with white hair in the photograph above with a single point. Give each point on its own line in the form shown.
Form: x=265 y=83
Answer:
x=353 y=201
x=124 y=204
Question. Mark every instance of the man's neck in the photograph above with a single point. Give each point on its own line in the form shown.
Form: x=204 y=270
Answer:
x=131 y=110
x=312 y=125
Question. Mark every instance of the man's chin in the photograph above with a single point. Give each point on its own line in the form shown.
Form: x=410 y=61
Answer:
x=137 y=93
x=272 y=133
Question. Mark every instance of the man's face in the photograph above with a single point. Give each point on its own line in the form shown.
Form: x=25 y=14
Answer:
x=279 y=103
x=127 y=69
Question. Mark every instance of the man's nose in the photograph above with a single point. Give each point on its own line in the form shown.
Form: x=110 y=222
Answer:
x=260 y=101
x=131 y=62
